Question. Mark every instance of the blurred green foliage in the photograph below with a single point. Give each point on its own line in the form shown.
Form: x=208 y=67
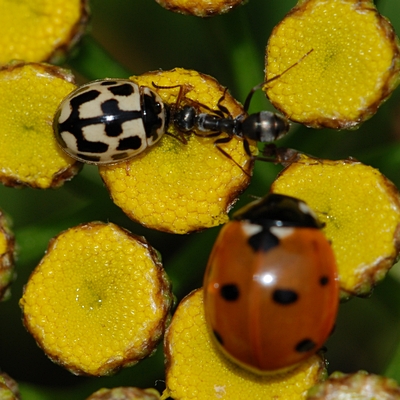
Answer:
x=142 y=36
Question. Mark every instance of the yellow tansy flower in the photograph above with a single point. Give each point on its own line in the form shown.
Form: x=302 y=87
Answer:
x=125 y=393
x=353 y=66
x=361 y=210
x=359 y=385
x=7 y=250
x=98 y=301
x=197 y=370
x=183 y=183
x=200 y=8
x=35 y=31
x=29 y=97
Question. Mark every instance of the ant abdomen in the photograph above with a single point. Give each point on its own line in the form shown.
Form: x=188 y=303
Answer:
x=264 y=126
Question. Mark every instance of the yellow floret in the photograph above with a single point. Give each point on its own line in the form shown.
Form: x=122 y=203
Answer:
x=29 y=97
x=353 y=66
x=200 y=8
x=361 y=210
x=182 y=187
x=98 y=300
x=34 y=30
x=197 y=370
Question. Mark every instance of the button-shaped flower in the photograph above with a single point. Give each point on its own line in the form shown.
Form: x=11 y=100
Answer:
x=29 y=96
x=361 y=211
x=353 y=66
x=99 y=299
x=185 y=182
x=35 y=31
x=196 y=369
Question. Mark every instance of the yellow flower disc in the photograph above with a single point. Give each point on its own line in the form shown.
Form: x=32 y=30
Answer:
x=29 y=97
x=125 y=393
x=361 y=210
x=197 y=370
x=7 y=249
x=182 y=187
x=353 y=66
x=43 y=30
x=356 y=386
x=200 y=8
x=98 y=301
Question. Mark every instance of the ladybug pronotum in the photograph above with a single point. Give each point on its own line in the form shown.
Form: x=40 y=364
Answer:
x=271 y=289
x=109 y=121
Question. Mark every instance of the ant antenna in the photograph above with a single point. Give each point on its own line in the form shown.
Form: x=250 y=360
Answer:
x=260 y=85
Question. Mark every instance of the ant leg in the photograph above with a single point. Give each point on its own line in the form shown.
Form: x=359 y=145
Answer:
x=180 y=137
x=206 y=134
x=222 y=108
x=260 y=85
x=227 y=139
x=183 y=89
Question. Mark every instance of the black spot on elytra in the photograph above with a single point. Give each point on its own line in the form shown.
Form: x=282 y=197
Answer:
x=123 y=89
x=112 y=118
x=88 y=158
x=130 y=143
x=284 y=296
x=263 y=241
x=108 y=83
x=218 y=337
x=230 y=292
x=305 y=345
x=324 y=280
x=92 y=147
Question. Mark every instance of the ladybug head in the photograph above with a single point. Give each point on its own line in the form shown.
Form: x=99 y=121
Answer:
x=279 y=210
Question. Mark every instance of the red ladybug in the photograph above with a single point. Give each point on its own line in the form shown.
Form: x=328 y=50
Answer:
x=271 y=289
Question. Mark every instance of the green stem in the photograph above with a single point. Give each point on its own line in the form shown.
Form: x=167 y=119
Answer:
x=94 y=62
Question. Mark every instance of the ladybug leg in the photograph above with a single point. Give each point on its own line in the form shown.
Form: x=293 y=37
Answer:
x=260 y=85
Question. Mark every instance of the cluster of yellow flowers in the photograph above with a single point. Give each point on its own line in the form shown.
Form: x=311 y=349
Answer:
x=100 y=300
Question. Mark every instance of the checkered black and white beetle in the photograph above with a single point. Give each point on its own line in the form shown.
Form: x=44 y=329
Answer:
x=109 y=121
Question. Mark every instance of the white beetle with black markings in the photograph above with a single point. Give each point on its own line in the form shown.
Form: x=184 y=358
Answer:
x=109 y=121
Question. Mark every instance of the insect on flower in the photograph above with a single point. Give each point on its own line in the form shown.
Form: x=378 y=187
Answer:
x=112 y=120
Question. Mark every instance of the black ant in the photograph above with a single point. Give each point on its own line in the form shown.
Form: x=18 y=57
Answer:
x=263 y=126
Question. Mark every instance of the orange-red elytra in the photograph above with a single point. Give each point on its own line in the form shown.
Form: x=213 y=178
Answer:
x=271 y=288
